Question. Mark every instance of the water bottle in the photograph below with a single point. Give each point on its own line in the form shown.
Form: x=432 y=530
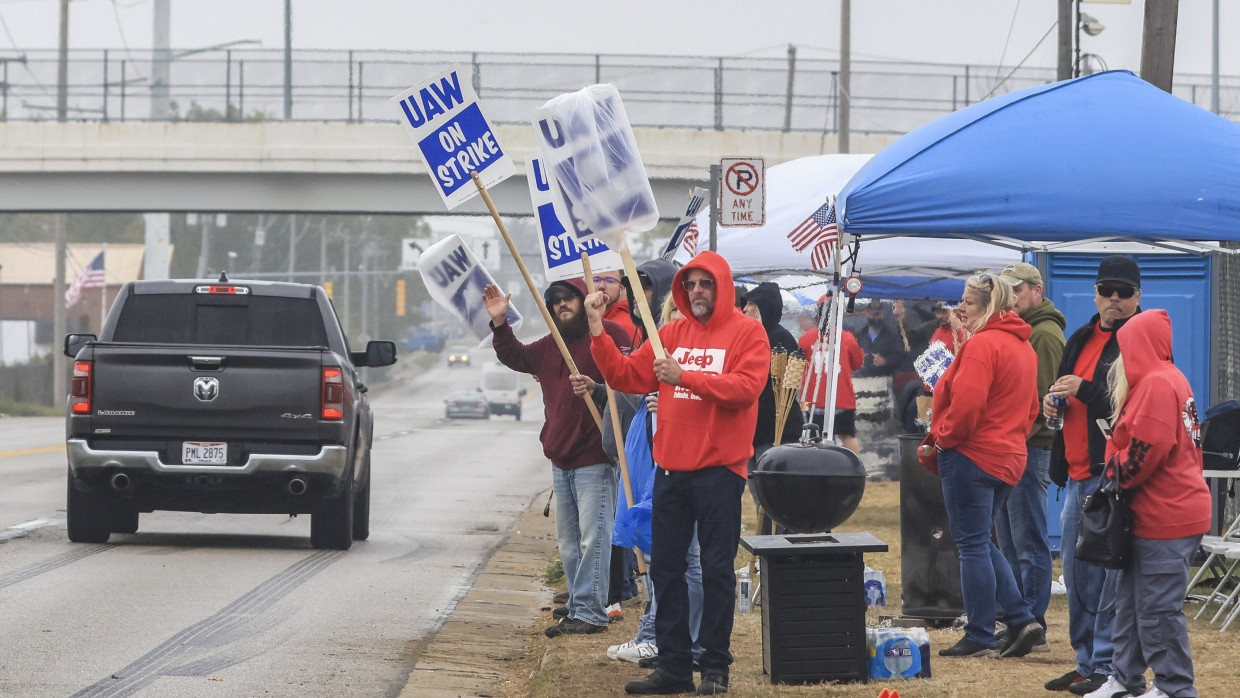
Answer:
x=744 y=587
x=1061 y=405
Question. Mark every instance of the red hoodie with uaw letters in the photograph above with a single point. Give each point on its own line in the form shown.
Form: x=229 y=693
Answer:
x=987 y=399
x=709 y=419
x=1157 y=438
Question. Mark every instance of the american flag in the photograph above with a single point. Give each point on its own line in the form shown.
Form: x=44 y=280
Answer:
x=91 y=277
x=691 y=236
x=818 y=231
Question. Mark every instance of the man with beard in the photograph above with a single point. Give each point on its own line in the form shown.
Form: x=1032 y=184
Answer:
x=883 y=348
x=717 y=361
x=583 y=477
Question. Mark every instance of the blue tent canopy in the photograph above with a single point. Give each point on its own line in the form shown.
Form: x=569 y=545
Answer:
x=1103 y=156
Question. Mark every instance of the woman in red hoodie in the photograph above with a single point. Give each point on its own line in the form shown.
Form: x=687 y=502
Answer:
x=983 y=408
x=1157 y=448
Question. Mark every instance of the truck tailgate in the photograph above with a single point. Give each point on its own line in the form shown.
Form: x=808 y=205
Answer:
x=202 y=392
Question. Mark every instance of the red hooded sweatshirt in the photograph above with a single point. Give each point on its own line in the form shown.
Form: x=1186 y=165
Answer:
x=709 y=419
x=987 y=399
x=1157 y=438
x=851 y=358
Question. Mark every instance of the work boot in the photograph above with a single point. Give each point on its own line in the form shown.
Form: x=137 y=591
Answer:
x=659 y=684
x=713 y=683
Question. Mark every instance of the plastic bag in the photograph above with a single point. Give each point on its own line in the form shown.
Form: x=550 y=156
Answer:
x=898 y=653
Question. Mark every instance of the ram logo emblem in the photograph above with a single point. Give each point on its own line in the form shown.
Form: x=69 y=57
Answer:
x=206 y=389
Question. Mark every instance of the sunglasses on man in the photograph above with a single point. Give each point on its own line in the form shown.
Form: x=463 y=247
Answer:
x=558 y=298
x=704 y=284
x=1106 y=290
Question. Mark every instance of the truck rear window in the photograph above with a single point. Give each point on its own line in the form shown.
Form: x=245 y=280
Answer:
x=235 y=320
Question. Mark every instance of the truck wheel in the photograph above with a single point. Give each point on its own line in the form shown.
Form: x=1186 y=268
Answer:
x=87 y=516
x=331 y=524
x=361 y=506
x=124 y=520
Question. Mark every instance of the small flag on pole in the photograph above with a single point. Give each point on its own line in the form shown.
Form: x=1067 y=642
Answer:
x=91 y=277
x=818 y=231
x=691 y=236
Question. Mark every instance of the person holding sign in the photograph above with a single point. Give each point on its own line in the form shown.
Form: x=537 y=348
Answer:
x=708 y=383
x=582 y=476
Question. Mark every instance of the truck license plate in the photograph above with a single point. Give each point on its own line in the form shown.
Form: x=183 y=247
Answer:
x=204 y=453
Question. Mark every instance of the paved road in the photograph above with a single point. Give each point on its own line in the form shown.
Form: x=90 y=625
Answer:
x=230 y=605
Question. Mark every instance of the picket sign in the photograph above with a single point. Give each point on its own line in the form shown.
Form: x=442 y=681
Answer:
x=601 y=188
x=561 y=249
x=454 y=278
x=529 y=282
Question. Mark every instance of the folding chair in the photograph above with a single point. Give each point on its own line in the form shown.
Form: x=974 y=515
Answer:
x=1216 y=546
x=1226 y=551
x=1232 y=554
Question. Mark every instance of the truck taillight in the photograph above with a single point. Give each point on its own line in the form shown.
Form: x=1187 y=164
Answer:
x=79 y=391
x=333 y=394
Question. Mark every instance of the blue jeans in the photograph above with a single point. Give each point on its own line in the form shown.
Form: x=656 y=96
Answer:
x=973 y=499
x=709 y=499
x=585 y=513
x=693 y=577
x=1091 y=590
x=1021 y=530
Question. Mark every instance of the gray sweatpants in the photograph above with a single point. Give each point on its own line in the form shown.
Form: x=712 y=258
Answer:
x=1150 y=628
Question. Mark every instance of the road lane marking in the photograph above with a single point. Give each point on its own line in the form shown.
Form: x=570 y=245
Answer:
x=27 y=451
x=22 y=530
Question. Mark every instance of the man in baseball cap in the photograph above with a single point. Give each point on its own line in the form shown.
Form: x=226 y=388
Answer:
x=1021 y=524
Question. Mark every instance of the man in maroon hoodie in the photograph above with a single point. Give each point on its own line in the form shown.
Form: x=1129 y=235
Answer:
x=718 y=359
x=583 y=477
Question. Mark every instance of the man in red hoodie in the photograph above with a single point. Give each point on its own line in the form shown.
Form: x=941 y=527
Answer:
x=718 y=361
x=583 y=478
x=608 y=283
x=1157 y=447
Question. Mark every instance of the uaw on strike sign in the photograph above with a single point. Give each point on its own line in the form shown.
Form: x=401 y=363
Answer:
x=444 y=120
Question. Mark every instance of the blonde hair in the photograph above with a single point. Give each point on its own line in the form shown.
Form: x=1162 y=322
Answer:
x=669 y=311
x=1117 y=383
x=992 y=296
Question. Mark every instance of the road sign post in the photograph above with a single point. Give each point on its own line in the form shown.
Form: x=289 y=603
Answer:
x=742 y=192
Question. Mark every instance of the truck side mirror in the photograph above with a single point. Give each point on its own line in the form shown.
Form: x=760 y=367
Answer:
x=75 y=342
x=380 y=353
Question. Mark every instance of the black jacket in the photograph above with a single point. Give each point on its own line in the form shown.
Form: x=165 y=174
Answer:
x=771 y=306
x=1094 y=393
x=887 y=343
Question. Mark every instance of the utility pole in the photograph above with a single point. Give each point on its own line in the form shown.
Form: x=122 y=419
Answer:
x=58 y=307
x=62 y=65
x=161 y=60
x=204 y=250
x=845 y=72
x=1158 y=42
x=1063 y=68
x=1214 y=62
x=288 y=59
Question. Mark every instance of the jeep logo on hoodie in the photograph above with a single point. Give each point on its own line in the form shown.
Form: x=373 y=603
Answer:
x=708 y=360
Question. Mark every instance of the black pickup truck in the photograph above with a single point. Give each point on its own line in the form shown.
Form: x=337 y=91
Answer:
x=220 y=397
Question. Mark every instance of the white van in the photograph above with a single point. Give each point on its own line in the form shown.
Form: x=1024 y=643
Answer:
x=501 y=386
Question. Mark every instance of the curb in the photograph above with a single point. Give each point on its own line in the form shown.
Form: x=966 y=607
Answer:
x=471 y=652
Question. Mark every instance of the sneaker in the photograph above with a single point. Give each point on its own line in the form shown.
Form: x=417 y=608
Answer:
x=611 y=651
x=1003 y=639
x=573 y=626
x=636 y=652
x=1064 y=682
x=560 y=612
x=1110 y=689
x=614 y=613
x=968 y=648
x=561 y=598
x=713 y=683
x=1091 y=683
x=659 y=684
x=1023 y=639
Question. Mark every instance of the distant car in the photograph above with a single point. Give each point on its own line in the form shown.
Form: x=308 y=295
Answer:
x=466 y=404
x=424 y=340
x=502 y=389
x=458 y=356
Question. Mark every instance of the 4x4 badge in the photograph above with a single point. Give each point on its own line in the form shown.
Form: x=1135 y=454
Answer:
x=206 y=389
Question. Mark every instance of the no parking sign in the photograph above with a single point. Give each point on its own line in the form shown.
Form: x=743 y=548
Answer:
x=742 y=194
x=443 y=118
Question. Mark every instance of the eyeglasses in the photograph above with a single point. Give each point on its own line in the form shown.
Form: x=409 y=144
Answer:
x=1125 y=291
x=606 y=280
x=704 y=284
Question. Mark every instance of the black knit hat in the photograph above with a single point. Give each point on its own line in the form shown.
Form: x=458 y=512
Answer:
x=1117 y=267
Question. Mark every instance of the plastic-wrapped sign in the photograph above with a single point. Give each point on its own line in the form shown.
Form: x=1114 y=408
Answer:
x=561 y=250
x=588 y=148
x=455 y=278
x=443 y=118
